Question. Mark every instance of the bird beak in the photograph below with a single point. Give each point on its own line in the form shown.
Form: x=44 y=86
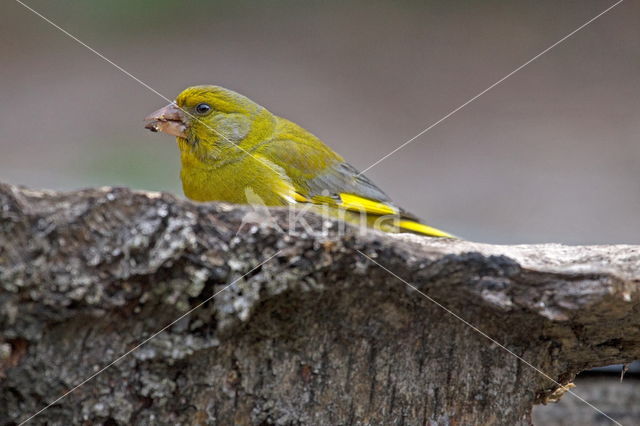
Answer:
x=169 y=120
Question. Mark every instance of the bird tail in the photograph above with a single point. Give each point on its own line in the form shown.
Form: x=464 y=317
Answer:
x=380 y=215
x=422 y=229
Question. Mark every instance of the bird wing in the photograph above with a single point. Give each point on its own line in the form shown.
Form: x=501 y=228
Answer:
x=320 y=176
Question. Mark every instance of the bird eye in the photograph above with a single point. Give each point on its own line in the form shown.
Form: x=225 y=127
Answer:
x=203 y=108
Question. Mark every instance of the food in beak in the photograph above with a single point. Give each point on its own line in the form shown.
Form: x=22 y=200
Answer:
x=169 y=120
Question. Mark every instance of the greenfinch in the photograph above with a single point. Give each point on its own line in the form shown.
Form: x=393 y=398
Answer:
x=234 y=150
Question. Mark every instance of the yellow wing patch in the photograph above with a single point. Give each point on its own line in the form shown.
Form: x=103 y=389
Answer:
x=359 y=204
x=300 y=198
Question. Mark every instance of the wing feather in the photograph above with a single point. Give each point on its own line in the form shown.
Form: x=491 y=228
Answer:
x=320 y=176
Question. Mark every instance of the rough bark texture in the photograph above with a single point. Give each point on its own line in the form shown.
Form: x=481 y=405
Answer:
x=317 y=335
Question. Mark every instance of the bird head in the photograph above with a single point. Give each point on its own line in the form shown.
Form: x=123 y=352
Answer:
x=206 y=119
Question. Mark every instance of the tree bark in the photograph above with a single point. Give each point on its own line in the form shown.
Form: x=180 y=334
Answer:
x=318 y=334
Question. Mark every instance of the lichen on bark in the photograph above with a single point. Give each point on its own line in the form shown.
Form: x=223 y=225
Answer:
x=317 y=335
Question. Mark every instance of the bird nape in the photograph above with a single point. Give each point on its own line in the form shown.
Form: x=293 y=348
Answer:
x=234 y=150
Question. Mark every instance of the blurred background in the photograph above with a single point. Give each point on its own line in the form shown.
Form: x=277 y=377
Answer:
x=550 y=155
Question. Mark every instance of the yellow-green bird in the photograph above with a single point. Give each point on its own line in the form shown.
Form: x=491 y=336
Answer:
x=234 y=150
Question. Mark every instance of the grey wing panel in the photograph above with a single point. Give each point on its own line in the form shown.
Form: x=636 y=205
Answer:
x=331 y=179
x=360 y=185
x=343 y=177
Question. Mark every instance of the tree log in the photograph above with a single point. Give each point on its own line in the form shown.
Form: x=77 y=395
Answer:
x=318 y=334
